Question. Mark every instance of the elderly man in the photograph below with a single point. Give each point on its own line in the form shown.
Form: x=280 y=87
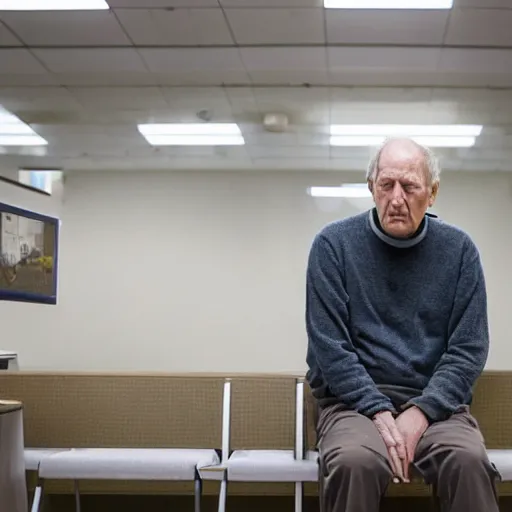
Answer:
x=396 y=317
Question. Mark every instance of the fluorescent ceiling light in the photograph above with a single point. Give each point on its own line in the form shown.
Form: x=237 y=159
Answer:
x=22 y=140
x=15 y=129
x=355 y=190
x=442 y=135
x=14 y=132
x=376 y=140
x=195 y=140
x=446 y=142
x=388 y=4
x=357 y=141
x=190 y=129
x=408 y=130
x=52 y=5
x=191 y=134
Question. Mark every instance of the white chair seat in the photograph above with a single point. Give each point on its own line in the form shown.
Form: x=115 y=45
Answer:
x=33 y=456
x=270 y=466
x=127 y=464
x=502 y=460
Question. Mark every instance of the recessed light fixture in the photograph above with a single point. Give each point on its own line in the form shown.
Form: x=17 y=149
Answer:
x=455 y=136
x=42 y=179
x=405 y=130
x=388 y=4
x=53 y=5
x=14 y=132
x=192 y=134
x=353 y=190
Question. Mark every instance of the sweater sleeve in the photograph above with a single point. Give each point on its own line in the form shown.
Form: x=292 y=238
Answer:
x=467 y=347
x=327 y=319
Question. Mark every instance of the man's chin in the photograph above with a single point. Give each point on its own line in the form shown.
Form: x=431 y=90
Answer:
x=398 y=230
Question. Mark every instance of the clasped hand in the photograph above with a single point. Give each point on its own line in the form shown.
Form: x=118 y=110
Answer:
x=401 y=436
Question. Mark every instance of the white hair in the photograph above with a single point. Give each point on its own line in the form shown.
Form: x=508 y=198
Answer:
x=431 y=162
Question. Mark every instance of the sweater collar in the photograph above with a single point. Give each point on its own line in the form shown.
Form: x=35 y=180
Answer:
x=403 y=243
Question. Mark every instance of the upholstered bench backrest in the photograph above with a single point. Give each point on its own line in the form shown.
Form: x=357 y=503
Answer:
x=102 y=410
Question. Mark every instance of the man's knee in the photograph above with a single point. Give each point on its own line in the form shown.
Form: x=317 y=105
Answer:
x=469 y=460
x=355 y=460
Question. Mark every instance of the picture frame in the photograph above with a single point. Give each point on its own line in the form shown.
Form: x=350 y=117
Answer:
x=29 y=250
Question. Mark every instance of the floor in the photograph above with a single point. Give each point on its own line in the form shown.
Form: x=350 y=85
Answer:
x=64 y=503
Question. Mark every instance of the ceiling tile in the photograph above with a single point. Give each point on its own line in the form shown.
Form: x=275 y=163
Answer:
x=378 y=77
x=107 y=79
x=272 y=3
x=26 y=79
x=367 y=113
x=180 y=60
x=361 y=58
x=477 y=79
x=277 y=26
x=385 y=27
x=243 y=105
x=472 y=61
x=285 y=65
x=19 y=61
x=284 y=59
x=195 y=66
x=114 y=98
x=480 y=27
x=188 y=27
x=204 y=78
x=371 y=94
x=37 y=99
x=63 y=28
x=303 y=106
x=184 y=103
x=91 y=60
x=155 y=4
x=7 y=38
x=288 y=152
x=492 y=4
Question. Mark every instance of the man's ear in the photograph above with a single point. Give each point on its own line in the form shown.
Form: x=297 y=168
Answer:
x=370 y=186
x=433 y=194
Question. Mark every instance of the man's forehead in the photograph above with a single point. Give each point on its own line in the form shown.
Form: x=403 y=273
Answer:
x=392 y=173
x=401 y=158
x=404 y=152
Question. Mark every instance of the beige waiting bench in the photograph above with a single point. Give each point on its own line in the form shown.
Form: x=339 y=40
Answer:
x=13 y=495
x=156 y=430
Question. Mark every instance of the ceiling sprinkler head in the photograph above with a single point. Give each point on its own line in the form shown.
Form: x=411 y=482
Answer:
x=205 y=114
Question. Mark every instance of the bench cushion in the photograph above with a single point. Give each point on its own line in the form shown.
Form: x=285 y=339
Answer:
x=502 y=460
x=127 y=464
x=271 y=466
x=34 y=456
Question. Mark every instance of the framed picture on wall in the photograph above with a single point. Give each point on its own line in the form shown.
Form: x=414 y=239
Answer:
x=29 y=246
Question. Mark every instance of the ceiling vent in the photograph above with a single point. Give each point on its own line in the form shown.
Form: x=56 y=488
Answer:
x=275 y=122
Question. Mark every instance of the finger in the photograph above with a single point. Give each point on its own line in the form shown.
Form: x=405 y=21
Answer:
x=399 y=441
x=396 y=463
x=405 y=469
x=410 y=458
x=385 y=433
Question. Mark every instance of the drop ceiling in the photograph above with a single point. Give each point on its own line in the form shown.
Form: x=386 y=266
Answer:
x=84 y=80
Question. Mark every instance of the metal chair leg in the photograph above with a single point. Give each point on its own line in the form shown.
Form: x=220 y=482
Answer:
x=299 y=496
x=223 y=494
x=198 y=491
x=38 y=497
x=77 y=497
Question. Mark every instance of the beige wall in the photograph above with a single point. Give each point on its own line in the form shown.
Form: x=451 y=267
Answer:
x=205 y=271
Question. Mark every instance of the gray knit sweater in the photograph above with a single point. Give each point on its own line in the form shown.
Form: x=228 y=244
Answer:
x=393 y=323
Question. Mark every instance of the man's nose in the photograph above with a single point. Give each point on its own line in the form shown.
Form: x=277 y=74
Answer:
x=398 y=194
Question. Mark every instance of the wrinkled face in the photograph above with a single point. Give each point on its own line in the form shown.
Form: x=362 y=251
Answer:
x=401 y=189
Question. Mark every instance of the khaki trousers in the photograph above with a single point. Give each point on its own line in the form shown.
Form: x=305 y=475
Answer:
x=355 y=472
x=13 y=490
